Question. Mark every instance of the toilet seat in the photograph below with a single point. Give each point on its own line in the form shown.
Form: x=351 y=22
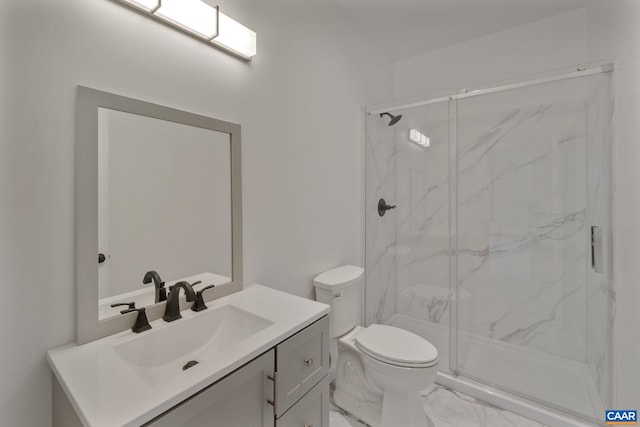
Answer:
x=396 y=347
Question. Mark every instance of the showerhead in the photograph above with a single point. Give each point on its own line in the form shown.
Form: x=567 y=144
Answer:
x=394 y=119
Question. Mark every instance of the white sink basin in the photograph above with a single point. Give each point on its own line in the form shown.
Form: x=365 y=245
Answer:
x=162 y=353
x=127 y=379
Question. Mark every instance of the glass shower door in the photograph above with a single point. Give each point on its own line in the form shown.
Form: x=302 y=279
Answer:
x=532 y=315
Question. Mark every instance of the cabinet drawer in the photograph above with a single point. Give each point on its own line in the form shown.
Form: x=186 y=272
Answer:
x=301 y=362
x=311 y=411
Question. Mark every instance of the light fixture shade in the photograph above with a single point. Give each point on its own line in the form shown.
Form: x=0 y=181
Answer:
x=194 y=16
x=146 y=5
x=235 y=37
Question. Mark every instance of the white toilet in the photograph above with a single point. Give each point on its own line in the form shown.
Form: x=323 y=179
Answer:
x=379 y=370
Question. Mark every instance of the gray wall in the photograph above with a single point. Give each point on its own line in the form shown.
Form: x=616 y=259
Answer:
x=299 y=103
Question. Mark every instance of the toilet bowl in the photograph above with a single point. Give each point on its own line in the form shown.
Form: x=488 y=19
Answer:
x=379 y=370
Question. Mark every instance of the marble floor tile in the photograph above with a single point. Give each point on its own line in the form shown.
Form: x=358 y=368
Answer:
x=449 y=408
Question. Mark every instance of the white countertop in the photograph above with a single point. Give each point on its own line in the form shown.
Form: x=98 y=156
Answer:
x=106 y=391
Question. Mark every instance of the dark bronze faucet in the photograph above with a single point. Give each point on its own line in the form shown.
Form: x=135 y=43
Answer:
x=141 y=324
x=199 y=305
x=172 y=312
x=161 y=292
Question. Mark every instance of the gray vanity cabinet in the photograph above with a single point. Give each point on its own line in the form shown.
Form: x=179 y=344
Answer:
x=235 y=401
x=288 y=386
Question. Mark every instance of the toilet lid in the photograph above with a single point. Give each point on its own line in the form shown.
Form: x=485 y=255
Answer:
x=396 y=346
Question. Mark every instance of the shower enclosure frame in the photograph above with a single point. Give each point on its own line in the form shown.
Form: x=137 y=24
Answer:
x=531 y=408
x=581 y=72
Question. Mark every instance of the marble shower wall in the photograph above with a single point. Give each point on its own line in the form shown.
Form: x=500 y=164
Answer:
x=380 y=232
x=422 y=218
x=407 y=250
x=522 y=232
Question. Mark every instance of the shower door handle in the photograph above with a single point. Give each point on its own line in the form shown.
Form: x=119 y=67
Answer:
x=596 y=249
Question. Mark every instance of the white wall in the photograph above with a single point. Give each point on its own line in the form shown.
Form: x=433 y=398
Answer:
x=607 y=30
x=299 y=103
x=523 y=51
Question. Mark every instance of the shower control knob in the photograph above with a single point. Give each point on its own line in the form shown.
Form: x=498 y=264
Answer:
x=383 y=207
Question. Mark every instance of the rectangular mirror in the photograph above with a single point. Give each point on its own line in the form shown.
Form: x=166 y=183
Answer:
x=164 y=205
x=157 y=189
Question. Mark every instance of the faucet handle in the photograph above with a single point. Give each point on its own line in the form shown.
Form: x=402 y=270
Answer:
x=199 y=305
x=130 y=304
x=142 y=323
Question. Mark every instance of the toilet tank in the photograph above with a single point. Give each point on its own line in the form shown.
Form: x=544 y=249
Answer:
x=341 y=288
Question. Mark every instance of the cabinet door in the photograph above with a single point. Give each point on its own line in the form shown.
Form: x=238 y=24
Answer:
x=310 y=411
x=239 y=400
x=301 y=362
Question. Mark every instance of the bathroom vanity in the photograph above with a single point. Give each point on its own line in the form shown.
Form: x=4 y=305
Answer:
x=262 y=360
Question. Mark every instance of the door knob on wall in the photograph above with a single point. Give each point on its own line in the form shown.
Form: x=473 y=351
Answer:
x=383 y=207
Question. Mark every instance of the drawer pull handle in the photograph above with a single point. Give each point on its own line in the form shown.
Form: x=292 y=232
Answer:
x=309 y=363
x=308 y=425
x=273 y=378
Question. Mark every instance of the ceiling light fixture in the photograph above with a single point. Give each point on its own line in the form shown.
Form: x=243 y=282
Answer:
x=204 y=22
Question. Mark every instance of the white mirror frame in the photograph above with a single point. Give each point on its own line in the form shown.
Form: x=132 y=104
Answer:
x=88 y=326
